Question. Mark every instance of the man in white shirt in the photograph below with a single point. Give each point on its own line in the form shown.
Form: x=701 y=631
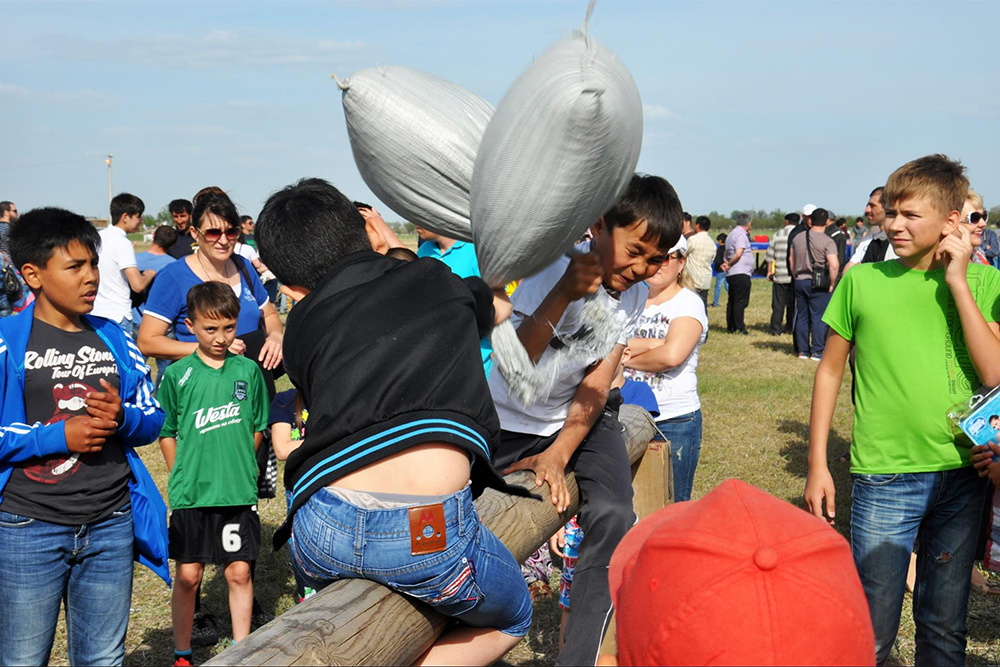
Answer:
x=875 y=212
x=119 y=275
x=700 y=255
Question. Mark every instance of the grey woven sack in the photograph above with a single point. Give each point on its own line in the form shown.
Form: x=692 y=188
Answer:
x=414 y=137
x=559 y=152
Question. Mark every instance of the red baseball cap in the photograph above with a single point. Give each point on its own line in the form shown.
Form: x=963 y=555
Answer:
x=738 y=578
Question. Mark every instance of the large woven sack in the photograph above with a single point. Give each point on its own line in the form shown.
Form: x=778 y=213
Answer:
x=414 y=138
x=563 y=143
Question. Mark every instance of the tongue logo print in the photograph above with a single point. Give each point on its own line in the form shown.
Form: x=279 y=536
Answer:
x=69 y=401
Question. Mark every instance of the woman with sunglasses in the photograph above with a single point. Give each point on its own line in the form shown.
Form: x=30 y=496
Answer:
x=217 y=226
x=975 y=217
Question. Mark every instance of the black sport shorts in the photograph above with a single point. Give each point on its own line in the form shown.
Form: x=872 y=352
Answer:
x=215 y=534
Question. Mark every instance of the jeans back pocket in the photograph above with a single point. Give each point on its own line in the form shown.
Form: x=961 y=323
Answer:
x=451 y=592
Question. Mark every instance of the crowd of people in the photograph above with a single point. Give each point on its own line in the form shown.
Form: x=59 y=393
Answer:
x=384 y=459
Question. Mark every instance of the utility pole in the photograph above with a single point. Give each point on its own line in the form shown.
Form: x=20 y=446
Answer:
x=107 y=161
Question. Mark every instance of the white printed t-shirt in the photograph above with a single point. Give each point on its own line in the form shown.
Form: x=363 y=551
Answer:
x=114 y=296
x=548 y=415
x=676 y=390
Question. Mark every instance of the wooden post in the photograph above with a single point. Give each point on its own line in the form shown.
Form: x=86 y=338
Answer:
x=357 y=622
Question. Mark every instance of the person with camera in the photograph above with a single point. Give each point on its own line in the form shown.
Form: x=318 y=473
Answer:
x=814 y=264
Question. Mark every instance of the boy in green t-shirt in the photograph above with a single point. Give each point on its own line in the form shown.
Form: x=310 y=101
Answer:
x=216 y=412
x=926 y=334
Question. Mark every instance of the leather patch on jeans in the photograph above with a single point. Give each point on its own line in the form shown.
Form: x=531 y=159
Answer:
x=427 y=533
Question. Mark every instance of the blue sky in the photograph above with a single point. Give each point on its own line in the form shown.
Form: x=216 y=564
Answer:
x=747 y=104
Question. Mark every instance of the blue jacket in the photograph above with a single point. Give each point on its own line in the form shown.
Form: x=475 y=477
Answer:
x=143 y=419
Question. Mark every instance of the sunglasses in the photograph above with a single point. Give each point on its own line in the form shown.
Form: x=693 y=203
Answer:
x=213 y=235
x=974 y=217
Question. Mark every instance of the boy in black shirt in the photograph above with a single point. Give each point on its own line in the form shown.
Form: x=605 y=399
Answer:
x=401 y=424
x=76 y=502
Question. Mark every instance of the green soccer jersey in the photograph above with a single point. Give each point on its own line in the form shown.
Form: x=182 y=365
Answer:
x=213 y=413
x=913 y=366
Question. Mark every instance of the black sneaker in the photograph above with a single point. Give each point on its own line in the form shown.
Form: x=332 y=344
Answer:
x=204 y=631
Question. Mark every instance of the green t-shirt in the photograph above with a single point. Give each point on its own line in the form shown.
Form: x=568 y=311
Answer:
x=912 y=364
x=213 y=413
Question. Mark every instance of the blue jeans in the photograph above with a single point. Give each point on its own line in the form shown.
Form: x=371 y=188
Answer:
x=684 y=434
x=720 y=282
x=941 y=512
x=475 y=579
x=810 y=331
x=89 y=566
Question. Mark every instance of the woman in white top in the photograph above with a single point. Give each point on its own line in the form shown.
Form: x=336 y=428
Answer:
x=665 y=355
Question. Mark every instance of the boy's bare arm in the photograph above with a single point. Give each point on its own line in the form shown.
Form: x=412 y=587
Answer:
x=829 y=375
x=583 y=276
x=169 y=448
x=589 y=400
x=258 y=438
x=981 y=337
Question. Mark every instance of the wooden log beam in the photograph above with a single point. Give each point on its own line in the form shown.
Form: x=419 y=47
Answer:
x=357 y=622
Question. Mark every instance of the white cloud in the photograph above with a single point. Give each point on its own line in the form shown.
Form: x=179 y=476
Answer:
x=656 y=112
x=214 y=49
x=75 y=100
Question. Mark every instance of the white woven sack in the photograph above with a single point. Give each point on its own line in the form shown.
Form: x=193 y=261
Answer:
x=563 y=143
x=414 y=138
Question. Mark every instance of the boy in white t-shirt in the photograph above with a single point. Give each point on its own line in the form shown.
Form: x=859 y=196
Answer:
x=119 y=275
x=572 y=427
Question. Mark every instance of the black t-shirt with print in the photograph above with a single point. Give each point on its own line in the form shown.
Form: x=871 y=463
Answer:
x=61 y=367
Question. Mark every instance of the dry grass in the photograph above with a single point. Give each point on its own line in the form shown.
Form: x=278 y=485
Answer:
x=756 y=407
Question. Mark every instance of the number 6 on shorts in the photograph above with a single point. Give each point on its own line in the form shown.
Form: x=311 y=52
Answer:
x=231 y=541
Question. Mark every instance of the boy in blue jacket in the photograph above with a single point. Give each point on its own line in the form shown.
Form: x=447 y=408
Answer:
x=76 y=502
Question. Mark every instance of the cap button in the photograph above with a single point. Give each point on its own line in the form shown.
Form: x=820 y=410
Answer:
x=765 y=558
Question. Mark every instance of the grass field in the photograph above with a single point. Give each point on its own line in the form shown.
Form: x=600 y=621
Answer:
x=755 y=400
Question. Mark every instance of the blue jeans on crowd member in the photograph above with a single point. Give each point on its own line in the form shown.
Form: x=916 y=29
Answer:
x=90 y=565
x=684 y=434
x=940 y=511
x=720 y=282
x=475 y=579
x=810 y=331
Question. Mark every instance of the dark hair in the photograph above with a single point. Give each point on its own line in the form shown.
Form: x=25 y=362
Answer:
x=841 y=222
x=686 y=217
x=245 y=218
x=212 y=299
x=217 y=202
x=312 y=210
x=164 y=236
x=125 y=204
x=179 y=206
x=404 y=254
x=649 y=198
x=794 y=218
x=37 y=233
x=703 y=222
x=721 y=238
x=859 y=219
x=992 y=417
x=361 y=204
x=880 y=191
x=6 y=206
x=819 y=217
